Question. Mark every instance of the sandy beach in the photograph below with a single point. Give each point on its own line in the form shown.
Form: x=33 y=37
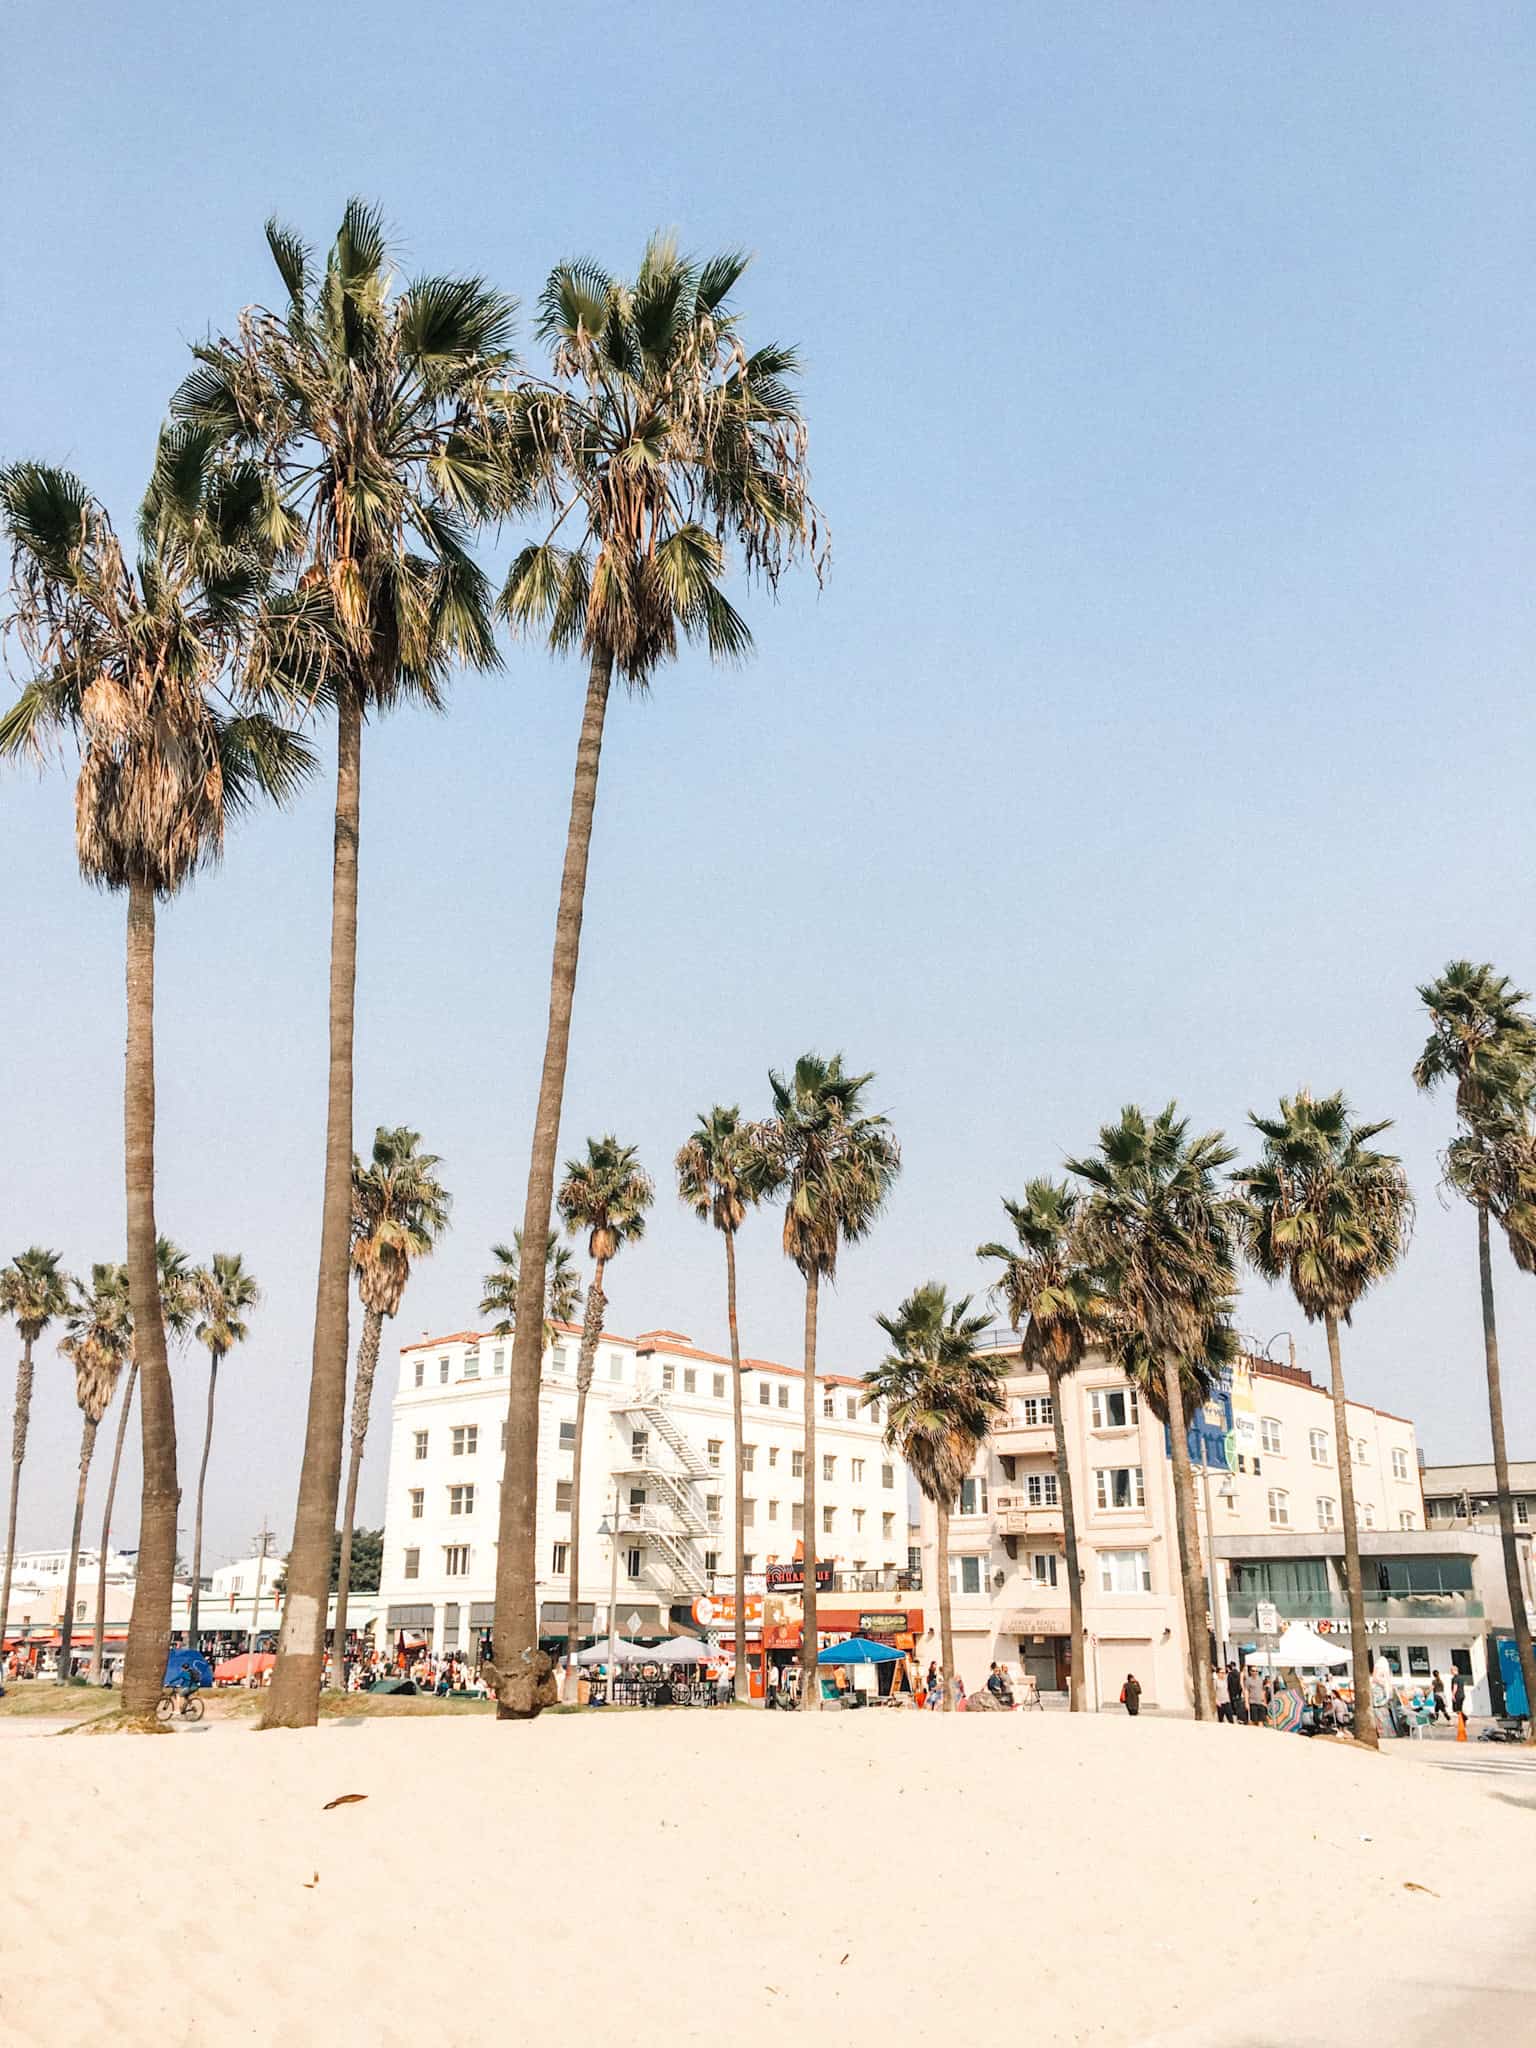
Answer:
x=686 y=1877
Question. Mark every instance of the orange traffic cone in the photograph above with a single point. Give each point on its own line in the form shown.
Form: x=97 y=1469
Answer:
x=1461 y=1727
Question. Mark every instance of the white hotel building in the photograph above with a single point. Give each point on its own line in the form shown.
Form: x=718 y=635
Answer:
x=1269 y=1519
x=658 y=1451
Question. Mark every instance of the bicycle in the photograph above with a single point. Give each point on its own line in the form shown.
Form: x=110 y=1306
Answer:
x=179 y=1700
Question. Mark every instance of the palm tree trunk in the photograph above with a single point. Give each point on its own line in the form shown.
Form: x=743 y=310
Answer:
x=19 y=1425
x=1191 y=1570
x=149 y=1625
x=1513 y=1586
x=1069 y=1542
x=743 y=1684
x=516 y=1627
x=1364 y=1721
x=362 y=1403
x=294 y=1700
x=810 y=1676
x=67 y=1618
x=944 y=1509
x=99 y=1627
x=591 y=1330
x=197 y=1522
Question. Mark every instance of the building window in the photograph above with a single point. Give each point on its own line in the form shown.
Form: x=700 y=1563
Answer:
x=1279 y=1508
x=827 y=1515
x=1406 y=1519
x=1399 y=1462
x=639 y=1445
x=715 y=1446
x=1367 y=1515
x=965 y=1575
x=1040 y=1490
x=858 y=1521
x=562 y=1496
x=784 y=1397
x=442 y=1372
x=887 y=1476
x=773 y=1454
x=748 y=1457
x=887 y=1525
x=748 y=1513
x=690 y=1380
x=797 y=1464
x=828 y=1406
x=973 y=1497
x=421 y=1443
x=1327 y=1513
x=560 y=1559
x=1361 y=1452
x=1120 y=1486
x=471 y=1365
x=856 y=1467
x=1317 y=1444
x=557 y=1358
x=773 y=1511
x=1113 y=1407
x=1269 y=1435
x=829 y=1467
x=764 y=1393
x=712 y=1506
x=418 y=1504
x=421 y=1370
x=719 y=1386
x=636 y=1498
x=1035 y=1409
x=1418 y=1660
x=874 y=1413
x=1523 y=1513
x=1125 y=1571
x=499 y=1359
x=466 y=1439
x=711 y=1561
x=749 y=1560
x=461 y=1500
x=797 y=1515
x=567 y=1433
x=668 y=1378
x=632 y=1562
x=412 y=1564
x=456 y=1561
x=853 y=1408
x=615 y=1365
x=1043 y=1565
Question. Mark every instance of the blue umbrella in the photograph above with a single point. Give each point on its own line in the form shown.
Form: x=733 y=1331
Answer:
x=858 y=1650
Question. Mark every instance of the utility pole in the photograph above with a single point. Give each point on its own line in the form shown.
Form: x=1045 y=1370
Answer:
x=263 y=1543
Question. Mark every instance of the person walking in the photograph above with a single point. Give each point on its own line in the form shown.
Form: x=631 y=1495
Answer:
x=1253 y=1694
x=1219 y=1688
x=1437 y=1706
x=1458 y=1695
x=1130 y=1694
x=1235 y=1711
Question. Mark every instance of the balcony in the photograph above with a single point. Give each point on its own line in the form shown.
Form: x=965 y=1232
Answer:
x=1013 y=1515
x=1011 y=1438
x=1380 y=1608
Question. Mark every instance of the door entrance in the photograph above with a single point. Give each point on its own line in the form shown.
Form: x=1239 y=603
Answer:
x=1045 y=1662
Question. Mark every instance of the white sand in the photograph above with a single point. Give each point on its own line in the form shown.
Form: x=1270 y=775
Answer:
x=853 y=1878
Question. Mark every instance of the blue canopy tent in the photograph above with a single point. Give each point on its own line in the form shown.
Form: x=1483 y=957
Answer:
x=858 y=1650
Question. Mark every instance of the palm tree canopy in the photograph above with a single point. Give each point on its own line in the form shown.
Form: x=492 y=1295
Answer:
x=1326 y=1212
x=399 y=1211
x=1482 y=1037
x=164 y=672
x=563 y=1290
x=720 y=1169
x=1160 y=1232
x=606 y=1194
x=376 y=414
x=1047 y=1285
x=100 y=1338
x=656 y=438
x=178 y=1288
x=224 y=1292
x=1203 y=1369
x=35 y=1290
x=834 y=1161
x=940 y=1393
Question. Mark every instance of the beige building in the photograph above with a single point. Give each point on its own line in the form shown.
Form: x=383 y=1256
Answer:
x=1271 y=1466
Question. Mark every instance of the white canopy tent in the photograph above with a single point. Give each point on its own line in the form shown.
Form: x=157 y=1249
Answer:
x=1301 y=1649
x=623 y=1653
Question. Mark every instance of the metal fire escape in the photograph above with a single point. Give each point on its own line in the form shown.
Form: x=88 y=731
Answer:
x=658 y=1456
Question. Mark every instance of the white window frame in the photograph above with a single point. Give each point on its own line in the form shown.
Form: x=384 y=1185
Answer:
x=1098 y=1407
x=1279 y=1505
x=1327 y=1512
x=1135 y=1563
x=1271 y=1436
x=1103 y=1490
x=1318 y=1447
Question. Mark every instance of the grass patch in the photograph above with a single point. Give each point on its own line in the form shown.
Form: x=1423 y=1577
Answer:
x=54 y=1702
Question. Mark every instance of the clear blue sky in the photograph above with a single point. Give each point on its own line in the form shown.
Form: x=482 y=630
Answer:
x=1164 y=720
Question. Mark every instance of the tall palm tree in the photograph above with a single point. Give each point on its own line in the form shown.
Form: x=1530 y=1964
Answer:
x=376 y=417
x=176 y=1309
x=835 y=1164
x=562 y=1285
x=1483 y=1039
x=1330 y=1216
x=34 y=1291
x=657 y=438
x=941 y=1395
x=137 y=662
x=100 y=1335
x=1053 y=1297
x=399 y=1211
x=606 y=1194
x=224 y=1294
x=719 y=1177
x=1162 y=1235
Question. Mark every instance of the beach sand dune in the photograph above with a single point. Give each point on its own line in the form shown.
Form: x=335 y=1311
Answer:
x=683 y=1877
